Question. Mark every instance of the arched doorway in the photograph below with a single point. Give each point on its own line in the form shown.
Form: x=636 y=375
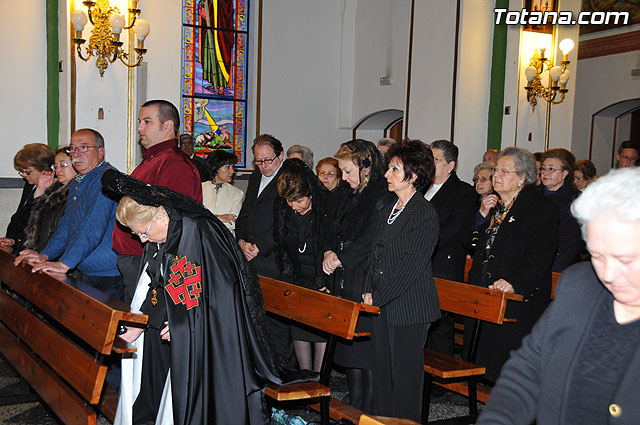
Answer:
x=375 y=126
x=610 y=126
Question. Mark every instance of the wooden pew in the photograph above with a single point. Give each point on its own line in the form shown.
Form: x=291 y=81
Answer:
x=55 y=333
x=335 y=316
x=477 y=303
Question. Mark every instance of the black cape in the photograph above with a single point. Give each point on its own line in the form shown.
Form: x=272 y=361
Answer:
x=221 y=354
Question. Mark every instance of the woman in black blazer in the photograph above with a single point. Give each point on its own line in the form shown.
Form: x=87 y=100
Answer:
x=347 y=251
x=514 y=251
x=401 y=282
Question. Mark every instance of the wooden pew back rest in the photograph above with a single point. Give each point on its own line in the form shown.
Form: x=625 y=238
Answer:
x=55 y=333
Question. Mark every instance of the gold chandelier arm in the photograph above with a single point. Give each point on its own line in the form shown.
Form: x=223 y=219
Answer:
x=79 y=52
x=135 y=17
x=124 y=56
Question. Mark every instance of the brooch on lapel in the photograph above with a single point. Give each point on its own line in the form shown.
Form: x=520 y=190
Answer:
x=512 y=219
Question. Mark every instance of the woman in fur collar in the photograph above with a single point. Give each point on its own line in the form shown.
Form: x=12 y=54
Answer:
x=348 y=249
x=301 y=215
x=49 y=208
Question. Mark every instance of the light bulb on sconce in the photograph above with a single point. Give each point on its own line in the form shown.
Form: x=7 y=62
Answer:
x=108 y=21
x=559 y=74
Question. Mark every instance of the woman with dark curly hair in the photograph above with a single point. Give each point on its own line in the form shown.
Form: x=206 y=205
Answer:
x=400 y=282
x=347 y=252
x=219 y=195
x=300 y=219
x=33 y=162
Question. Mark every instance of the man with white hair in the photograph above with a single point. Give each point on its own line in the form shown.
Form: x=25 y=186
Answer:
x=581 y=362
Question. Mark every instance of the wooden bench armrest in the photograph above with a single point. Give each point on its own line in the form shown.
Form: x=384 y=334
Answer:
x=513 y=297
x=373 y=309
x=120 y=346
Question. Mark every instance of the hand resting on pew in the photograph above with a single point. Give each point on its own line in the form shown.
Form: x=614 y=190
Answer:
x=30 y=256
x=502 y=285
x=131 y=334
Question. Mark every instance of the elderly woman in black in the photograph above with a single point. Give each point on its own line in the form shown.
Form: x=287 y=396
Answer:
x=401 y=282
x=557 y=175
x=513 y=253
x=348 y=249
x=300 y=218
x=33 y=162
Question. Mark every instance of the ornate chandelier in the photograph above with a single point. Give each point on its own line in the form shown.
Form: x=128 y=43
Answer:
x=559 y=76
x=104 y=42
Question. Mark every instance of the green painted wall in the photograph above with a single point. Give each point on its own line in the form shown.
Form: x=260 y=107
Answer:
x=53 y=93
x=496 y=96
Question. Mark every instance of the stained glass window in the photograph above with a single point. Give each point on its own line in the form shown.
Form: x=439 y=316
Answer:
x=214 y=70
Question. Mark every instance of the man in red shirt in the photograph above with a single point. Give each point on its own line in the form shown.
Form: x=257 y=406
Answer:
x=163 y=164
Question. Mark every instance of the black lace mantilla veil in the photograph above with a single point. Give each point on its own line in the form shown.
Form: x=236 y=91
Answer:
x=178 y=206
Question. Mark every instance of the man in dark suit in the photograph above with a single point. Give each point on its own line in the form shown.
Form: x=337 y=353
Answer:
x=187 y=146
x=254 y=226
x=455 y=202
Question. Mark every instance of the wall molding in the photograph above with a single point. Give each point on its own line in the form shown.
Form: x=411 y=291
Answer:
x=612 y=45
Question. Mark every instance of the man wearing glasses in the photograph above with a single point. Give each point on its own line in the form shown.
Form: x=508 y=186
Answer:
x=628 y=154
x=254 y=226
x=82 y=240
x=163 y=164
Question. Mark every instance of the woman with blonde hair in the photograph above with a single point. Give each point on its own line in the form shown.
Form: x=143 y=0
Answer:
x=348 y=249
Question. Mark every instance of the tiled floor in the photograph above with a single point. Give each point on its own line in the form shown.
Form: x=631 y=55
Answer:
x=19 y=405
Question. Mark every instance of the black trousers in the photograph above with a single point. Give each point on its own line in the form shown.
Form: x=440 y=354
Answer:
x=398 y=372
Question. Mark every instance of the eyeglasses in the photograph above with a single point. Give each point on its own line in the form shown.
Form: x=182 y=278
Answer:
x=481 y=179
x=264 y=161
x=501 y=171
x=549 y=170
x=82 y=149
x=26 y=172
x=327 y=174
x=629 y=158
x=145 y=234
x=60 y=165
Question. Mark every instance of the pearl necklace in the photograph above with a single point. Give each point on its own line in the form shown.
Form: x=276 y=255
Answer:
x=395 y=212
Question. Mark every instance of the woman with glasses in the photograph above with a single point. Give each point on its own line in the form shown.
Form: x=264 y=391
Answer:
x=557 y=175
x=348 y=248
x=513 y=252
x=487 y=198
x=219 y=195
x=329 y=173
x=33 y=162
x=206 y=327
x=49 y=208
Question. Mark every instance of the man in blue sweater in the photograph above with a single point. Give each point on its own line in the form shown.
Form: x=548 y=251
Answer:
x=82 y=240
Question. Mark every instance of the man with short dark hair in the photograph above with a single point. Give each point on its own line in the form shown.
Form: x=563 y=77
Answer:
x=187 y=145
x=82 y=240
x=628 y=154
x=163 y=164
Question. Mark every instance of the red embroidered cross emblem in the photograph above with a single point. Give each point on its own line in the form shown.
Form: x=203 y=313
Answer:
x=184 y=282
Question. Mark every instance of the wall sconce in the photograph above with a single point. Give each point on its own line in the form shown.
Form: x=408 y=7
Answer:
x=559 y=76
x=104 y=42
